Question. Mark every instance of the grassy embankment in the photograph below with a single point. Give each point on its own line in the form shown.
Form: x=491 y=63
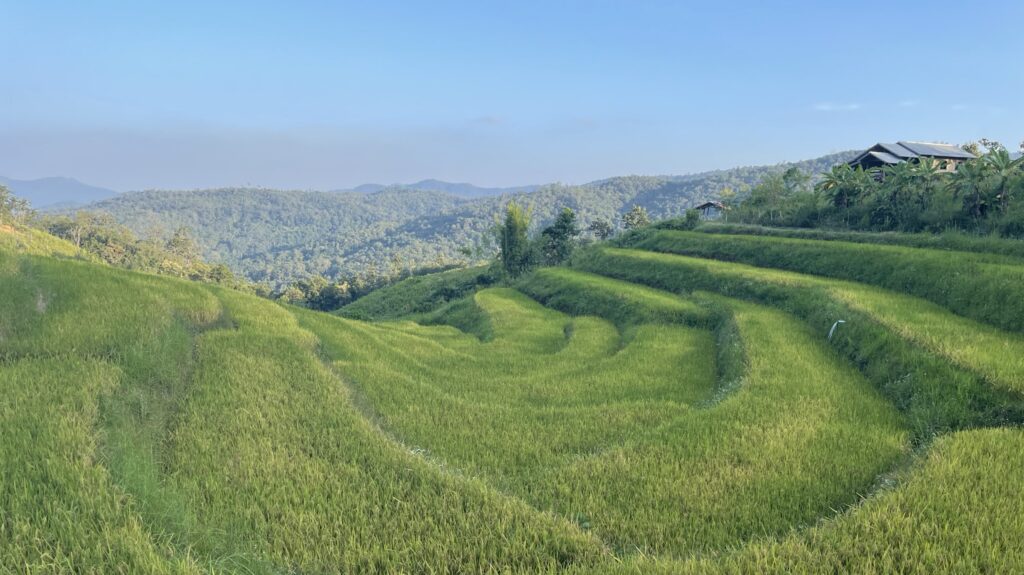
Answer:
x=948 y=241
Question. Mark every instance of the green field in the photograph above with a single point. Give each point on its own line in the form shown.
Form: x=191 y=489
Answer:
x=653 y=408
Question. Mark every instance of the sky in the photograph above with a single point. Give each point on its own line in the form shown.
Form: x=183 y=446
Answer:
x=328 y=95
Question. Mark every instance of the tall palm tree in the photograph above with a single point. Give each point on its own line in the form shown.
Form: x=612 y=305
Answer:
x=1002 y=170
x=900 y=184
x=844 y=186
x=928 y=179
x=969 y=184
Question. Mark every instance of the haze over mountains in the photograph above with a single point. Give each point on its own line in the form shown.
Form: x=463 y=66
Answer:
x=278 y=236
x=48 y=193
x=463 y=190
x=55 y=193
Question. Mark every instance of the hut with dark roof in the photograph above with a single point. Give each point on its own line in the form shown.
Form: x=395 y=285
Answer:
x=711 y=210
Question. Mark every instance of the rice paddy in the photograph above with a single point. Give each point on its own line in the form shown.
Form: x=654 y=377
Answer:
x=638 y=412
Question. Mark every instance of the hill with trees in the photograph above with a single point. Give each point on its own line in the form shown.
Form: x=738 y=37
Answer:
x=279 y=237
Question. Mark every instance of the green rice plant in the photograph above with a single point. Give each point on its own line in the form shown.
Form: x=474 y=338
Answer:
x=936 y=394
x=152 y=425
x=958 y=509
x=60 y=510
x=418 y=294
x=552 y=419
x=961 y=282
x=949 y=240
x=26 y=240
x=296 y=478
x=621 y=302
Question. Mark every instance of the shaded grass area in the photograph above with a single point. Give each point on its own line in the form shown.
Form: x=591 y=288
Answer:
x=964 y=283
x=598 y=432
x=418 y=294
x=629 y=305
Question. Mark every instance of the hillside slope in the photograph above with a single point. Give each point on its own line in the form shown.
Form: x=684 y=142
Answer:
x=645 y=411
x=278 y=237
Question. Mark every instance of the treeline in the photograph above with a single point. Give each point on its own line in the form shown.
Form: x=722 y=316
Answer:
x=280 y=237
x=519 y=252
x=100 y=236
x=983 y=196
x=323 y=294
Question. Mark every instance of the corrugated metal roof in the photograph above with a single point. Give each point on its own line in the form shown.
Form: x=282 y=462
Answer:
x=896 y=150
x=936 y=150
x=886 y=157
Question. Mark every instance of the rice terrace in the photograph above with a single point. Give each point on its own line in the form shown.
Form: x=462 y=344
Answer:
x=500 y=288
x=669 y=403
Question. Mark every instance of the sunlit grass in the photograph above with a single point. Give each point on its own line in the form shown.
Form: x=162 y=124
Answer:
x=968 y=284
x=586 y=430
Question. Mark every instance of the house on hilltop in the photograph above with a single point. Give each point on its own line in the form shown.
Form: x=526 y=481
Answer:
x=711 y=210
x=880 y=155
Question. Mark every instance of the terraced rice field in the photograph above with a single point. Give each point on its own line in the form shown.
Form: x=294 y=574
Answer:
x=644 y=411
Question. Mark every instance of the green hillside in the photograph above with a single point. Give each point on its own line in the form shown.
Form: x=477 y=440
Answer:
x=671 y=404
x=279 y=236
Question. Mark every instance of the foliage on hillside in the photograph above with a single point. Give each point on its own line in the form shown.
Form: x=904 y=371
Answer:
x=280 y=237
x=983 y=196
x=98 y=235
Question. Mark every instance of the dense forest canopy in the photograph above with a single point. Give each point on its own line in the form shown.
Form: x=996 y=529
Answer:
x=279 y=237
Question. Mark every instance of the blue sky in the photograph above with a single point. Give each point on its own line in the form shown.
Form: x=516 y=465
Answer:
x=324 y=95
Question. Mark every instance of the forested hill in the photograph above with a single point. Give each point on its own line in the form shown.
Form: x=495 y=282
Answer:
x=280 y=236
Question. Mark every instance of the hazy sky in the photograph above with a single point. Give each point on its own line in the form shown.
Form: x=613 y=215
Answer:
x=302 y=94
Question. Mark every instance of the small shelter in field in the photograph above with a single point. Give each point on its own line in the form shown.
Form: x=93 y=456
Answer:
x=711 y=210
x=946 y=156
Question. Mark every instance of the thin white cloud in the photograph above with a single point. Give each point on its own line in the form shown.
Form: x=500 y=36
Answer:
x=488 y=120
x=833 y=107
x=909 y=104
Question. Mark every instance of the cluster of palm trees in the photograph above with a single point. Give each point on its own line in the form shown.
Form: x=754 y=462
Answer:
x=983 y=195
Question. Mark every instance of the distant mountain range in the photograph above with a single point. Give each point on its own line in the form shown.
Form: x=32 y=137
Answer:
x=56 y=193
x=67 y=193
x=279 y=236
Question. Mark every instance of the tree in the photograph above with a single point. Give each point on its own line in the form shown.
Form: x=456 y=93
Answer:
x=971 y=147
x=1002 y=170
x=636 y=218
x=840 y=186
x=13 y=209
x=514 y=249
x=969 y=184
x=559 y=239
x=602 y=229
x=183 y=245
x=796 y=181
x=768 y=197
